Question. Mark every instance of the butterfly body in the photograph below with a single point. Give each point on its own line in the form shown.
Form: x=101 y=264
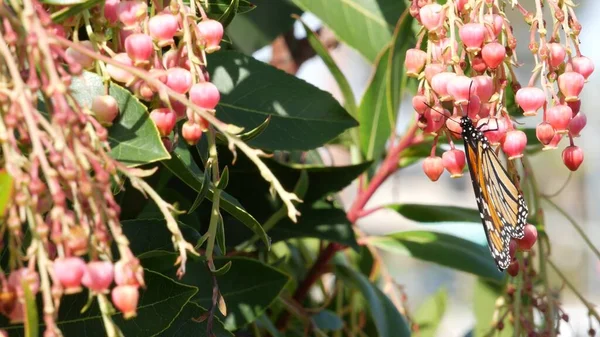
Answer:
x=501 y=205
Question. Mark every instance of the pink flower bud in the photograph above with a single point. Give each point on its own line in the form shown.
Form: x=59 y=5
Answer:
x=454 y=161
x=111 y=11
x=442 y=52
x=559 y=117
x=527 y=242
x=105 y=109
x=211 y=32
x=131 y=13
x=433 y=120
x=432 y=16
x=478 y=64
x=125 y=298
x=179 y=79
x=494 y=129
x=439 y=83
x=118 y=74
x=85 y=61
x=420 y=104
x=583 y=65
x=485 y=87
x=557 y=54
x=472 y=35
x=577 y=124
x=129 y=272
x=461 y=88
x=433 y=167
x=514 y=144
x=165 y=120
x=572 y=156
x=493 y=54
x=433 y=69
x=98 y=276
x=494 y=23
x=139 y=48
x=530 y=99
x=415 y=61
x=205 y=95
x=191 y=132
x=179 y=108
x=453 y=125
x=31 y=277
x=473 y=107
x=571 y=84
x=69 y=272
x=575 y=106
x=162 y=28
x=545 y=133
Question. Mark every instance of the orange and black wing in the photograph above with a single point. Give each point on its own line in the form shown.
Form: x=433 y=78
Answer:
x=501 y=207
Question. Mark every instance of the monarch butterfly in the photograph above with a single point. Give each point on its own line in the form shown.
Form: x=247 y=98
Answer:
x=501 y=206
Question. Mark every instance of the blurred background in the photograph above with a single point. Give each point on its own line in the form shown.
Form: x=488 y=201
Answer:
x=579 y=198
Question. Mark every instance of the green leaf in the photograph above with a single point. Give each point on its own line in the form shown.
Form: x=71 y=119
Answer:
x=183 y=166
x=69 y=12
x=485 y=297
x=248 y=288
x=430 y=313
x=216 y=8
x=203 y=190
x=381 y=101
x=258 y=28
x=319 y=220
x=251 y=90
x=365 y=25
x=159 y=304
x=30 y=308
x=229 y=13
x=187 y=324
x=339 y=77
x=388 y=321
x=63 y=2
x=443 y=249
x=147 y=235
x=328 y=320
x=436 y=213
x=6 y=191
x=133 y=137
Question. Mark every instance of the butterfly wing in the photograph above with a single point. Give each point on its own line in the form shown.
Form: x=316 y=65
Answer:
x=497 y=236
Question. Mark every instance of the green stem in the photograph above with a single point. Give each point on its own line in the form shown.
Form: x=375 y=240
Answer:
x=214 y=215
x=576 y=226
x=542 y=254
x=587 y=304
x=517 y=303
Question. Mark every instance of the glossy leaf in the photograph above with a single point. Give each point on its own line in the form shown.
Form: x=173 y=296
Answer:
x=252 y=90
x=216 y=8
x=187 y=324
x=365 y=25
x=328 y=320
x=259 y=27
x=319 y=220
x=430 y=313
x=6 y=191
x=388 y=321
x=249 y=287
x=69 y=12
x=229 y=13
x=436 y=213
x=184 y=167
x=133 y=136
x=160 y=303
x=485 y=297
x=339 y=77
x=443 y=249
x=381 y=102
x=147 y=235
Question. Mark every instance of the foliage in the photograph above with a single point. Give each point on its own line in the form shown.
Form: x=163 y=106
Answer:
x=236 y=232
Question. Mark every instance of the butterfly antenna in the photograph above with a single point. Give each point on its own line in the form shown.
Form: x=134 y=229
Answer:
x=441 y=113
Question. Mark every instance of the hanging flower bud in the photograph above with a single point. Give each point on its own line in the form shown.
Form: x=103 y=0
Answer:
x=432 y=16
x=514 y=144
x=530 y=99
x=577 y=124
x=472 y=35
x=572 y=156
x=415 y=61
x=433 y=167
x=454 y=161
x=583 y=66
x=559 y=117
x=125 y=298
x=545 y=133
x=571 y=84
x=493 y=54
x=211 y=32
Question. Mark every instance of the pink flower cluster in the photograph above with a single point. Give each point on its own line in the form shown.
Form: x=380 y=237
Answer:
x=464 y=61
x=150 y=43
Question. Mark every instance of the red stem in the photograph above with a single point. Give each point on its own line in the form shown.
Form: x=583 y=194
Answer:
x=388 y=167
